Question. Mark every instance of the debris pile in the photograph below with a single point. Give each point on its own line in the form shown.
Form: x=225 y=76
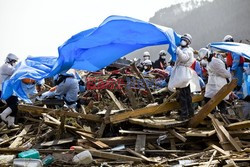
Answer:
x=130 y=126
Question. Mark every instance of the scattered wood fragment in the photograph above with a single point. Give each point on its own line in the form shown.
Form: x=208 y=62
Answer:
x=58 y=142
x=211 y=104
x=148 y=111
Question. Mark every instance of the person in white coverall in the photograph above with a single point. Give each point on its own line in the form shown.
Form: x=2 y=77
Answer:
x=218 y=76
x=183 y=77
x=6 y=70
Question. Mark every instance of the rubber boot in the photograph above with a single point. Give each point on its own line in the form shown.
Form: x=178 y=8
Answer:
x=5 y=114
x=11 y=122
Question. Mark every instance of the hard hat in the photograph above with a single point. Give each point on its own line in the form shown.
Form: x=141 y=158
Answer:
x=162 y=52
x=146 y=54
x=203 y=52
x=228 y=38
x=11 y=57
x=187 y=37
x=147 y=63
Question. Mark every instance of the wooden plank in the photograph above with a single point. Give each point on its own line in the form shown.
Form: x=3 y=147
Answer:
x=211 y=158
x=142 y=132
x=152 y=123
x=177 y=135
x=108 y=155
x=191 y=156
x=58 y=142
x=135 y=69
x=68 y=127
x=211 y=104
x=114 y=141
x=131 y=97
x=238 y=125
x=103 y=125
x=18 y=140
x=39 y=110
x=200 y=133
x=118 y=104
x=220 y=134
x=148 y=111
x=172 y=144
x=228 y=136
x=140 y=155
x=140 y=143
x=226 y=153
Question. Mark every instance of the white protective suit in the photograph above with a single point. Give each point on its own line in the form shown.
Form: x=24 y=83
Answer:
x=217 y=75
x=6 y=70
x=182 y=75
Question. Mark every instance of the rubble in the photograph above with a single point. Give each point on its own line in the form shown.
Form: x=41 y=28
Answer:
x=118 y=127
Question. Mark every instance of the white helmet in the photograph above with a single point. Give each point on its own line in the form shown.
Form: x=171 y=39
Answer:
x=146 y=54
x=162 y=52
x=187 y=37
x=203 y=52
x=11 y=57
x=228 y=38
x=147 y=63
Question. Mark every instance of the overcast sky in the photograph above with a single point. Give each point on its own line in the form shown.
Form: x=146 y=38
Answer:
x=38 y=27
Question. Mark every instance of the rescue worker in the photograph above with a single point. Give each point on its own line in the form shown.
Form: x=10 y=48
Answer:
x=161 y=62
x=217 y=77
x=6 y=71
x=182 y=76
x=147 y=66
x=31 y=87
x=235 y=62
x=146 y=56
x=202 y=53
x=67 y=88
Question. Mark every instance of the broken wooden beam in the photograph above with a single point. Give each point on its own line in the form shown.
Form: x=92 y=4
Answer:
x=212 y=103
x=153 y=123
x=116 y=101
x=39 y=110
x=238 y=125
x=135 y=69
x=103 y=125
x=148 y=111
x=114 y=141
x=18 y=141
x=58 y=142
x=177 y=135
x=109 y=155
x=140 y=143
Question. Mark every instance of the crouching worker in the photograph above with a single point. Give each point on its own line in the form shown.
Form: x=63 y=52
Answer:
x=6 y=70
x=31 y=87
x=67 y=88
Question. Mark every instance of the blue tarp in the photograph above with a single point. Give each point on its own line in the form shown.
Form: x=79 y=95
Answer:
x=94 y=49
x=237 y=48
x=36 y=68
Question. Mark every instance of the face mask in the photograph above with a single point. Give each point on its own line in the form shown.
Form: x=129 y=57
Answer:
x=13 y=64
x=163 y=57
x=183 y=43
x=146 y=58
x=29 y=86
x=204 y=62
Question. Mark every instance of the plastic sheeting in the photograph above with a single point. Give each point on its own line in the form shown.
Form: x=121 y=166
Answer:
x=36 y=68
x=93 y=49
x=237 y=48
